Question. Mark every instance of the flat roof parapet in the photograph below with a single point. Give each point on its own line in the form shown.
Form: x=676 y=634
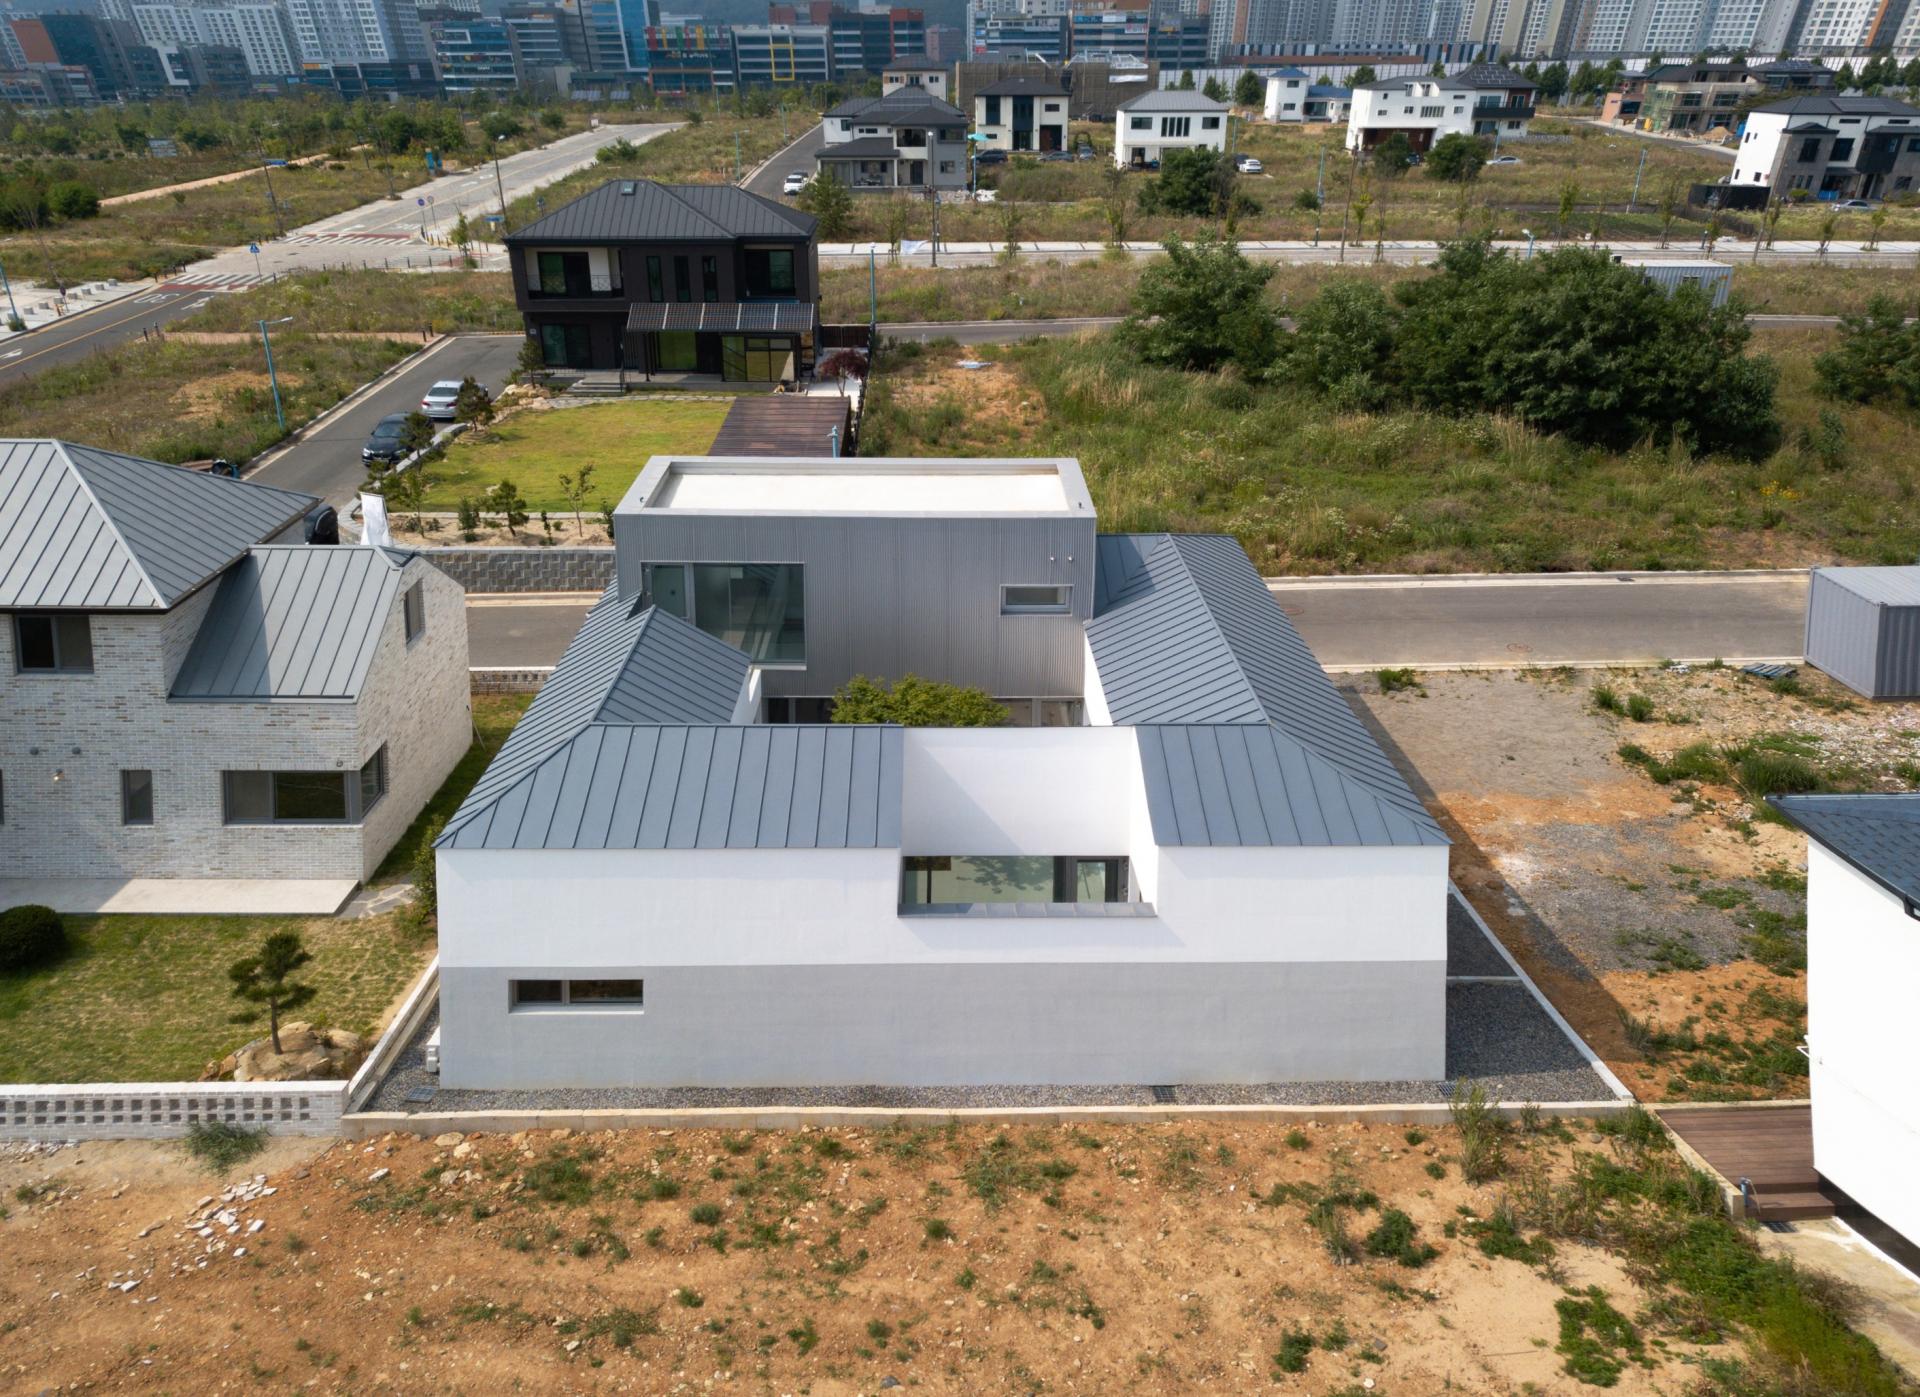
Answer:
x=828 y=486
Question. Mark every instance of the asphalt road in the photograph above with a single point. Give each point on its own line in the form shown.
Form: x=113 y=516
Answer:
x=797 y=156
x=327 y=461
x=327 y=241
x=1356 y=623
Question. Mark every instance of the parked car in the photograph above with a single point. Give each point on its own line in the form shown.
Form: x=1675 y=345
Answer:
x=986 y=196
x=1247 y=165
x=796 y=182
x=1504 y=160
x=440 y=399
x=990 y=157
x=384 y=444
x=1085 y=152
x=1857 y=204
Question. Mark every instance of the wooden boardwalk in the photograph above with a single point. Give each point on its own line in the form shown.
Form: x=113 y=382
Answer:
x=1771 y=1146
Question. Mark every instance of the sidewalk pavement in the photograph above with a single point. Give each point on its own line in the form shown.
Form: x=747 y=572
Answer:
x=256 y=897
x=42 y=305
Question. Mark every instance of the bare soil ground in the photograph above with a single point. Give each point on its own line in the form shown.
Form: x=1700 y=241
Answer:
x=1651 y=913
x=1102 y=1259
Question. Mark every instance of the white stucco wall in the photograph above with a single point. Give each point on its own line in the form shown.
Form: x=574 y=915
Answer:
x=1863 y=961
x=1759 y=143
x=1154 y=142
x=787 y=966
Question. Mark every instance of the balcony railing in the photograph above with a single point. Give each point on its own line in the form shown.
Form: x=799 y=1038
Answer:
x=1509 y=111
x=599 y=287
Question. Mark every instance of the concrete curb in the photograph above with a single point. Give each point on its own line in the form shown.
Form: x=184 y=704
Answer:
x=1524 y=579
x=364 y=1124
x=1519 y=662
x=751 y=175
x=313 y=424
x=125 y=293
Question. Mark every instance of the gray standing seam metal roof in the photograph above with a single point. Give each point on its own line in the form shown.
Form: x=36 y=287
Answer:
x=904 y=106
x=1829 y=104
x=861 y=148
x=1021 y=87
x=1185 y=634
x=293 y=623
x=1166 y=99
x=743 y=786
x=1886 y=586
x=82 y=528
x=1879 y=835
x=656 y=212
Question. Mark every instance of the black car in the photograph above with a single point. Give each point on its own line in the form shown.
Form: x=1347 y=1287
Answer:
x=990 y=157
x=384 y=444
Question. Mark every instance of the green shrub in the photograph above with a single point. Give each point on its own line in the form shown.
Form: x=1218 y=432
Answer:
x=706 y=1214
x=1639 y=707
x=1395 y=1236
x=1763 y=773
x=220 y=1144
x=1606 y=700
x=1294 y=1350
x=30 y=935
x=1392 y=681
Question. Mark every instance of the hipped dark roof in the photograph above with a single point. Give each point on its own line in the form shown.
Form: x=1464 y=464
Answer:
x=643 y=211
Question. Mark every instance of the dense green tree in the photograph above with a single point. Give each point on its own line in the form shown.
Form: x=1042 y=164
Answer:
x=1249 y=91
x=474 y=405
x=1394 y=155
x=829 y=201
x=1363 y=74
x=1342 y=344
x=1553 y=82
x=1214 y=90
x=1877 y=358
x=914 y=702
x=1186 y=80
x=1201 y=306
x=1438 y=70
x=1456 y=156
x=1194 y=181
x=1573 y=342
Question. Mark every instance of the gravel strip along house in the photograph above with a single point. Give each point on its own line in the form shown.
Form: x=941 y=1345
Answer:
x=191 y=691
x=1184 y=860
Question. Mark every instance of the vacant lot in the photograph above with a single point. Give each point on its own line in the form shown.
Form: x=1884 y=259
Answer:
x=1046 y=290
x=535 y=446
x=1309 y=489
x=1336 y=1261
x=1629 y=862
x=178 y=401
x=362 y=300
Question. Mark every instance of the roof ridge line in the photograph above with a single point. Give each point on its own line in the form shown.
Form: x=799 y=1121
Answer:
x=64 y=447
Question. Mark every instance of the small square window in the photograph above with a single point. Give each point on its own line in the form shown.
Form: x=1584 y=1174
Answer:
x=52 y=643
x=1049 y=599
x=416 y=611
x=136 y=797
x=521 y=992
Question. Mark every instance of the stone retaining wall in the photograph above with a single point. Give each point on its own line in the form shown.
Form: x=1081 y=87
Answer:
x=525 y=569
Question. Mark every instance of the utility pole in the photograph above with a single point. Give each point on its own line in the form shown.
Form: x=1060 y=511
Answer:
x=1636 y=179
x=13 y=311
x=736 y=157
x=273 y=201
x=1320 y=178
x=272 y=377
x=873 y=292
x=1346 y=209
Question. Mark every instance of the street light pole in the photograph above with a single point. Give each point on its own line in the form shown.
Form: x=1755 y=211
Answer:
x=273 y=378
x=1636 y=179
x=13 y=311
x=273 y=201
x=500 y=186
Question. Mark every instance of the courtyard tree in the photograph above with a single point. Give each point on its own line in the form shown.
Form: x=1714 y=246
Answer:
x=265 y=979
x=914 y=702
x=474 y=405
x=532 y=362
x=575 y=487
x=507 y=502
x=1456 y=156
x=829 y=201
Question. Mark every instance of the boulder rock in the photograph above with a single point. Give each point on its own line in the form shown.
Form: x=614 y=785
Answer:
x=308 y=1054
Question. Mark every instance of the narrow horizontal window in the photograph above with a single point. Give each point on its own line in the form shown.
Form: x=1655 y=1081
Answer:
x=620 y=993
x=1042 y=599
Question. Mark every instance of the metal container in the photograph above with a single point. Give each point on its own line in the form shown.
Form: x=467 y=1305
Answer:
x=1863 y=628
x=1715 y=278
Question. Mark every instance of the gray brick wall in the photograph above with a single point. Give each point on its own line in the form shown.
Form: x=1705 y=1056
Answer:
x=66 y=738
x=526 y=569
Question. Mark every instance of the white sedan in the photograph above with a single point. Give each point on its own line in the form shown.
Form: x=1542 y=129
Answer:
x=441 y=400
x=796 y=182
x=1247 y=165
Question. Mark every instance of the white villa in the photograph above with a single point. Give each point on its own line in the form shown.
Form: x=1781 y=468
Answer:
x=1147 y=126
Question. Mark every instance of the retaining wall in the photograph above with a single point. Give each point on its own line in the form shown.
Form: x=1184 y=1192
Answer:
x=158 y=1110
x=525 y=569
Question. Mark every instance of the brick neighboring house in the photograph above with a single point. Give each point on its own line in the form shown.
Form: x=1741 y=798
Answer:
x=1831 y=147
x=704 y=280
x=192 y=692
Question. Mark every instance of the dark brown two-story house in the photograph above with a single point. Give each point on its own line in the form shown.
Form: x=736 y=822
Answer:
x=671 y=279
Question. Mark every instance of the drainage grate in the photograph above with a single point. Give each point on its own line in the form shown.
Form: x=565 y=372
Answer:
x=419 y=1095
x=1162 y=1096
x=1777 y=1226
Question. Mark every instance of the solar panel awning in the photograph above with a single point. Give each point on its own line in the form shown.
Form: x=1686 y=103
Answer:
x=731 y=317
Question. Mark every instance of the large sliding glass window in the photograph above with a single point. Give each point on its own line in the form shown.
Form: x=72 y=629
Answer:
x=755 y=358
x=679 y=351
x=758 y=608
x=943 y=879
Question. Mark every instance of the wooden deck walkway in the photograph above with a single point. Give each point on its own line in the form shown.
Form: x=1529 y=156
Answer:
x=1772 y=1146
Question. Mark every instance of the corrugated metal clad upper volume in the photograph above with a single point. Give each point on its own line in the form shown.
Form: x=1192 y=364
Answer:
x=85 y=529
x=293 y=623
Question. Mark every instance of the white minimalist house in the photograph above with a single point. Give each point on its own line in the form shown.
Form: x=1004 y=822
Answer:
x=1863 y=960
x=1183 y=859
x=1832 y=147
x=1286 y=97
x=1149 y=125
x=1021 y=114
x=907 y=139
x=1485 y=100
x=190 y=690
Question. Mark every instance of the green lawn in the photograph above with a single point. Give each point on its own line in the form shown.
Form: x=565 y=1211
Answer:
x=534 y=448
x=143 y=999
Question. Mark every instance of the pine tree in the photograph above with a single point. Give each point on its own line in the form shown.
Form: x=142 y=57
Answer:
x=265 y=979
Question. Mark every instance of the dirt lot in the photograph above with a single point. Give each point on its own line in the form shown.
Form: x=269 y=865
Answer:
x=1145 y=1258
x=1651 y=911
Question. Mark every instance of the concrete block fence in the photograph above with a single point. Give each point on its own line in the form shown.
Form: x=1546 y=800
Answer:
x=525 y=569
x=163 y=1110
